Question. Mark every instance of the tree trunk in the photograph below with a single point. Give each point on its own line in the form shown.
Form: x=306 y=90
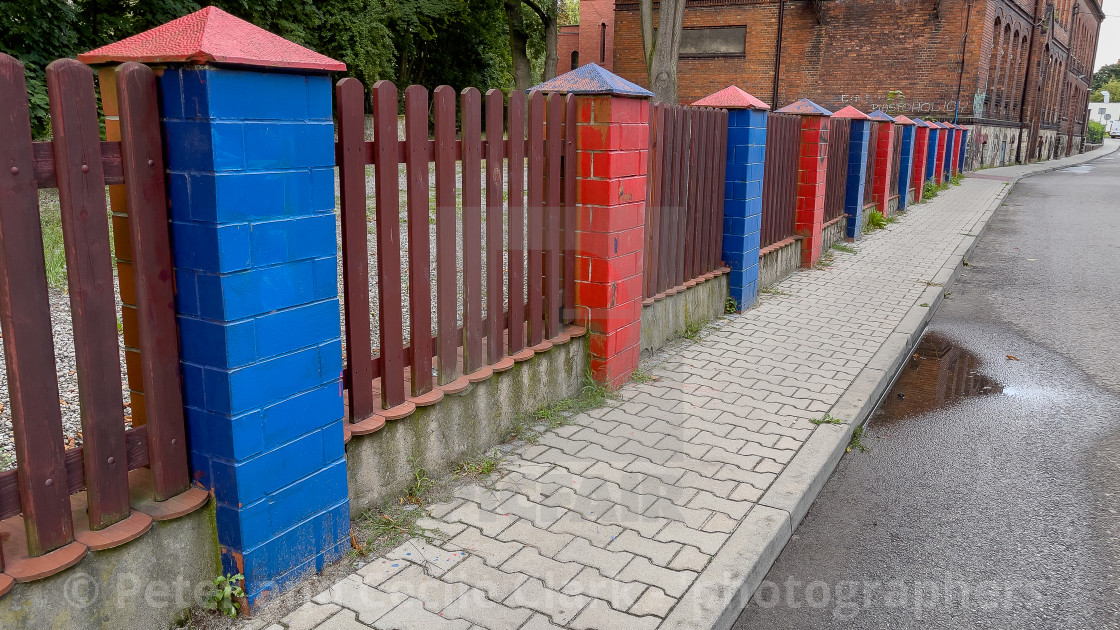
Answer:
x=551 y=59
x=663 y=65
x=645 y=14
x=522 y=70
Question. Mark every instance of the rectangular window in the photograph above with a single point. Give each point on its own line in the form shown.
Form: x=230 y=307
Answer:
x=725 y=41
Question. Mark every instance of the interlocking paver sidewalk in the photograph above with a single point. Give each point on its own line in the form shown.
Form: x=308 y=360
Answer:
x=610 y=521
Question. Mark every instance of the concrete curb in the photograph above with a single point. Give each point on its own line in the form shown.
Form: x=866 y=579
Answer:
x=724 y=588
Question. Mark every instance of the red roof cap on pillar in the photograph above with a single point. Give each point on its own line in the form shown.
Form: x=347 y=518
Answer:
x=592 y=79
x=805 y=107
x=731 y=97
x=211 y=35
x=881 y=116
x=903 y=120
x=850 y=112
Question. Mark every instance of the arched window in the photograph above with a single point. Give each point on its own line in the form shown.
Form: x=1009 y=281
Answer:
x=603 y=42
x=575 y=59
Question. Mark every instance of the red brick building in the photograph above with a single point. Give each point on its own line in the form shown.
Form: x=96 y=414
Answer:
x=1017 y=71
x=590 y=41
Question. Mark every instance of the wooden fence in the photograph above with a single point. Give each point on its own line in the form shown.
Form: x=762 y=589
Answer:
x=527 y=298
x=685 y=192
x=869 y=178
x=80 y=165
x=836 y=181
x=896 y=161
x=779 y=180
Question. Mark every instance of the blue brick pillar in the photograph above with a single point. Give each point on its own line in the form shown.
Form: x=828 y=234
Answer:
x=742 y=206
x=857 y=172
x=250 y=156
x=931 y=161
x=906 y=162
x=964 y=150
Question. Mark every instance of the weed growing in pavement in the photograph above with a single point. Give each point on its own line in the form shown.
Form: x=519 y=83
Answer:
x=640 y=375
x=929 y=191
x=956 y=179
x=479 y=466
x=730 y=307
x=692 y=329
x=222 y=597
x=827 y=419
x=847 y=249
x=857 y=441
x=529 y=426
x=876 y=221
x=825 y=261
x=924 y=305
x=421 y=483
x=772 y=291
x=931 y=283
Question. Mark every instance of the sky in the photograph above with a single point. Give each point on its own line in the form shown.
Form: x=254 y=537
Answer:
x=1108 y=44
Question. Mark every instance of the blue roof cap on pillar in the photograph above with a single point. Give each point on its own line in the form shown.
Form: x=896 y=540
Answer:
x=921 y=123
x=592 y=79
x=880 y=115
x=805 y=107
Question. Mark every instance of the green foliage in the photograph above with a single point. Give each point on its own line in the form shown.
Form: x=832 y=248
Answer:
x=857 y=441
x=956 y=179
x=1112 y=87
x=568 y=12
x=730 y=306
x=54 y=253
x=1094 y=134
x=222 y=596
x=876 y=221
x=929 y=191
x=847 y=249
x=431 y=42
x=827 y=419
x=1108 y=72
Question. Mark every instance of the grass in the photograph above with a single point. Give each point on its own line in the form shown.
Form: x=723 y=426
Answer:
x=692 y=329
x=772 y=291
x=640 y=375
x=54 y=254
x=827 y=419
x=956 y=179
x=857 y=441
x=924 y=305
x=847 y=249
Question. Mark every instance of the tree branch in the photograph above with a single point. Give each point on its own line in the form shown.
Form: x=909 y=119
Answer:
x=541 y=13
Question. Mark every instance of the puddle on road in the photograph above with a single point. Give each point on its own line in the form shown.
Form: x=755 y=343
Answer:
x=938 y=374
x=1077 y=169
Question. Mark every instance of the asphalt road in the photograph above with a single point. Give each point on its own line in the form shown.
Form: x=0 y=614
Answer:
x=990 y=493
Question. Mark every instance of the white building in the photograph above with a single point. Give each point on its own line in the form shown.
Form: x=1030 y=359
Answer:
x=1104 y=112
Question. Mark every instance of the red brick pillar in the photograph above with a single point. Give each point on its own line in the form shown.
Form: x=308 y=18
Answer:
x=612 y=145
x=882 y=154
x=811 y=173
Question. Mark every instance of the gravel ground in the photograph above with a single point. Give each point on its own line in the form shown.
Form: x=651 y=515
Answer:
x=63 y=328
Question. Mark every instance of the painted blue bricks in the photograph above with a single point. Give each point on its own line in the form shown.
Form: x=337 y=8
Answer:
x=251 y=181
x=905 y=166
x=931 y=159
x=964 y=150
x=742 y=206
x=857 y=173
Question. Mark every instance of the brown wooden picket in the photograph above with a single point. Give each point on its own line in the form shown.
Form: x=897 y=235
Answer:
x=538 y=289
x=80 y=165
x=839 y=134
x=684 y=192
x=779 y=180
x=896 y=160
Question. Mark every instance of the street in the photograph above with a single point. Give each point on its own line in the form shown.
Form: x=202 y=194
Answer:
x=988 y=496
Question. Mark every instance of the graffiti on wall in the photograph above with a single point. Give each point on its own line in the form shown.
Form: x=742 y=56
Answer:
x=895 y=102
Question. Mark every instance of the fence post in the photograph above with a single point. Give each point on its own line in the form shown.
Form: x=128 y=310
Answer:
x=921 y=156
x=811 y=177
x=931 y=154
x=906 y=163
x=881 y=153
x=940 y=139
x=250 y=157
x=612 y=151
x=857 y=152
x=963 y=150
x=742 y=203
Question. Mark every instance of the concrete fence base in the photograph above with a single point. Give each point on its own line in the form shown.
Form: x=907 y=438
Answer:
x=779 y=263
x=664 y=320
